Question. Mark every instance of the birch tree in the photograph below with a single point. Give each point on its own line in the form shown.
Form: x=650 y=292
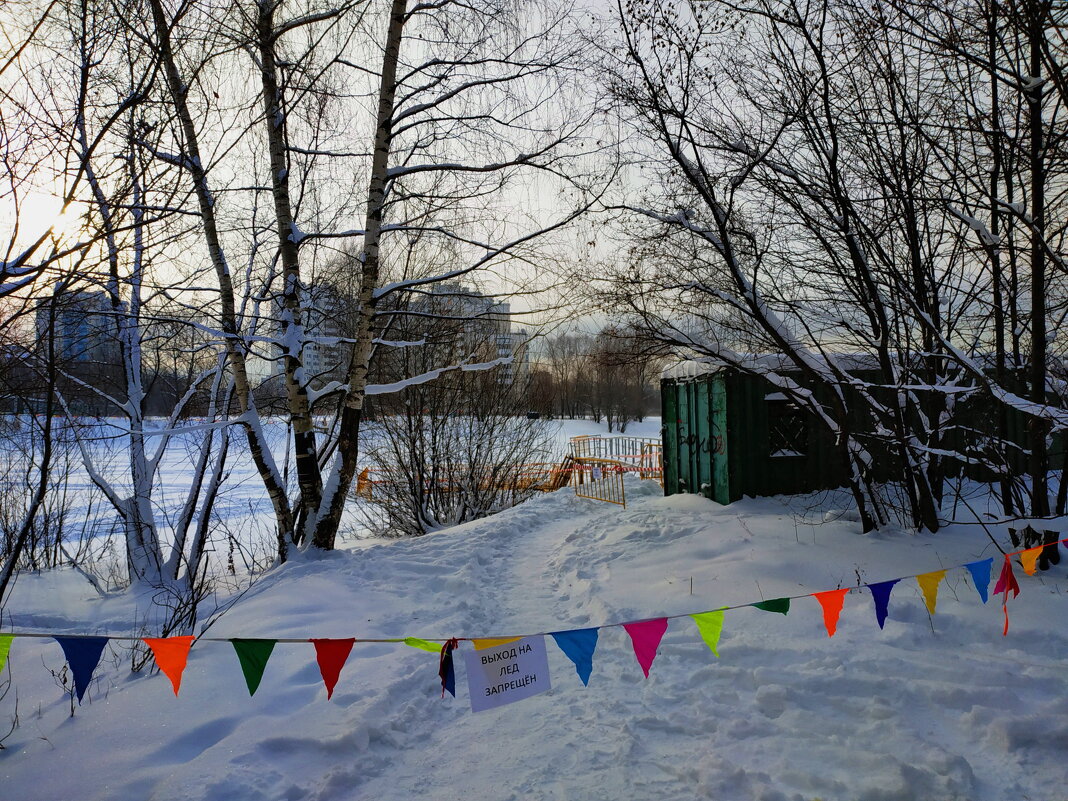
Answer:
x=466 y=102
x=465 y=107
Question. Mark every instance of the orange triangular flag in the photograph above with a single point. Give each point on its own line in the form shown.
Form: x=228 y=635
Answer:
x=1028 y=559
x=171 y=655
x=929 y=584
x=831 y=601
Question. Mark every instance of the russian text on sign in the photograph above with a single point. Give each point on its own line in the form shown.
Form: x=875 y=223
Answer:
x=525 y=663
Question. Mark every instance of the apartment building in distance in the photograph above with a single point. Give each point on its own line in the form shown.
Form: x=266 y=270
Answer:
x=478 y=328
x=457 y=323
x=81 y=329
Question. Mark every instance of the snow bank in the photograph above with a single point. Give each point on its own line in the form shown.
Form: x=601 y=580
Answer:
x=938 y=707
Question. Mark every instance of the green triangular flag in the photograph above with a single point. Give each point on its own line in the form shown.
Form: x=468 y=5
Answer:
x=426 y=645
x=253 y=655
x=710 y=624
x=780 y=605
x=5 y=648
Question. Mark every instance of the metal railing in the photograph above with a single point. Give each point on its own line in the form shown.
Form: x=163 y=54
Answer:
x=533 y=477
x=628 y=450
x=651 y=467
x=599 y=480
x=594 y=467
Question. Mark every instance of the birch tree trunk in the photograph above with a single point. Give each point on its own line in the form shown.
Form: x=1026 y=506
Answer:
x=309 y=479
x=344 y=467
x=236 y=361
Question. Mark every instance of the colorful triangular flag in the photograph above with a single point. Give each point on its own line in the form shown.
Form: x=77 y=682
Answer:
x=492 y=642
x=425 y=645
x=331 y=656
x=253 y=656
x=171 y=654
x=83 y=655
x=981 y=576
x=710 y=625
x=645 y=635
x=578 y=645
x=880 y=593
x=446 y=668
x=831 y=601
x=5 y=648
x=929 y=584
x=1029 y=558
x=1007 y=581
x=780 y=605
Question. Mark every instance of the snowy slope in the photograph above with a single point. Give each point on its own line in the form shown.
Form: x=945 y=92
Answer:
x=929 y=708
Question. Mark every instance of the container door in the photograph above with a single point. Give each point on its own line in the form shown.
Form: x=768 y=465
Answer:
x=702 y=428
x=669 y=421
x=685 y=418
x=720 y=466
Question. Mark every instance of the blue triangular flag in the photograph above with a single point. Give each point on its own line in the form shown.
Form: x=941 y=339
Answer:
x=881 y=594
x=83 y=655
x=578 y=645
x=981 y=576
x=446 y=669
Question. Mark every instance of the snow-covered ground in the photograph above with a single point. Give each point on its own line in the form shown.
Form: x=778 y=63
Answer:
x=931 y=707
x=241 y=503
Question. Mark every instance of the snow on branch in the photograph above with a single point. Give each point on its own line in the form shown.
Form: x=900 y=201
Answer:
x=296 y=236
x=985 y=236
x=330 y=388
x=309 y=19
x=396 y=286
x=682 y=219
x=299 y=236
x=399 y=343
x=397 y=386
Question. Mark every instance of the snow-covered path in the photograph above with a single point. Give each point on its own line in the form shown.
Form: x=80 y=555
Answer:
x=938 y=707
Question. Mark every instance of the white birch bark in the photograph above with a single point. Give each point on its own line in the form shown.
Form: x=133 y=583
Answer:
x=235 y=348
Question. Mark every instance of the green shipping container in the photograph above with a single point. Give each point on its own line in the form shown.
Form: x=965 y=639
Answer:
x=727 y=434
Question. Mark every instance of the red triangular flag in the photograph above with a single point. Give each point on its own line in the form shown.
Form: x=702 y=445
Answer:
x=831 y=601
x=331 y=655
x=171 y=654
x=1006 y=582
x=645 y=636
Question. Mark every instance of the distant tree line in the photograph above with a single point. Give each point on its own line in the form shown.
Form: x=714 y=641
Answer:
x=610 y=376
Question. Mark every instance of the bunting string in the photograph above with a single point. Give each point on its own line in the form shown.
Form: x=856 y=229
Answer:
x=781 y=605
x=512 y=654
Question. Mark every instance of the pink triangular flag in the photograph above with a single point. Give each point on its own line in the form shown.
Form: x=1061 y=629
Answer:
x=1007 y=581
x=645 y=636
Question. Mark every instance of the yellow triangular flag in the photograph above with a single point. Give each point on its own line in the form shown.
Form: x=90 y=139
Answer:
x=1028 y=559
x=710 y=625
x=426 y=645
x=492 y=642
x=929 y=584
x=5 y=647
